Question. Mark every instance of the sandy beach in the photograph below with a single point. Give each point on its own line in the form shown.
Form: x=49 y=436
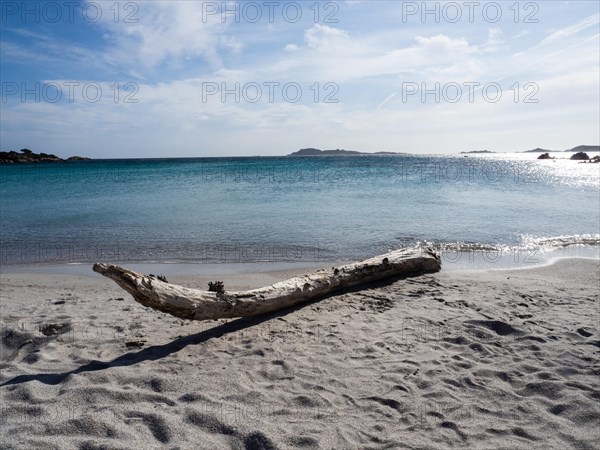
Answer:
x=503 y=359
x=418 y=183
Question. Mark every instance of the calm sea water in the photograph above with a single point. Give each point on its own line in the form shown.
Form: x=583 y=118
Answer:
x=258 y=209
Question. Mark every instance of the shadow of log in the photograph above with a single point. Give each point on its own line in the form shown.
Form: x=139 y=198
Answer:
x=156 y=352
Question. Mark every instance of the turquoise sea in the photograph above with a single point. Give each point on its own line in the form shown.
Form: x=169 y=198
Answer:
x=294 y=209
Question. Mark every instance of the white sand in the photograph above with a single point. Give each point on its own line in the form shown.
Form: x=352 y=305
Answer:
x=489 y=360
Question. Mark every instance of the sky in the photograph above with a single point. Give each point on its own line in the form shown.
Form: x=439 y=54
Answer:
x=111 y=79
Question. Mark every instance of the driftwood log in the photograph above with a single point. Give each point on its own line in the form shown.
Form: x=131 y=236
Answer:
x=194 y=304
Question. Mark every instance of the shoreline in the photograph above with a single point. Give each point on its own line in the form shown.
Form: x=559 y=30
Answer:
x=452 y=261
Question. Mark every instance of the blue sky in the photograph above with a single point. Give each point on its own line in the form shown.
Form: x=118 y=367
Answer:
x=185 y=78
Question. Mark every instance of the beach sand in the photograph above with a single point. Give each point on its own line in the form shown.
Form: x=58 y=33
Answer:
x=480 y=360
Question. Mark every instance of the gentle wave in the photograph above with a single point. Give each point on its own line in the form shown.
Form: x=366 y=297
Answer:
x=527 y=243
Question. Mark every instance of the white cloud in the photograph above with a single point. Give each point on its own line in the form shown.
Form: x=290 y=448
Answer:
x=442 y=46
x=326 y=38
x=334 y=55
x=495 y=43
x=579 y=56
x=388 y=98
x=168 y=30
x=47 y=50
x=589 y=21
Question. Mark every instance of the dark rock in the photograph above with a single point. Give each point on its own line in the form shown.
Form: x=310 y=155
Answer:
x=545 y=156
x=581 y=156
x=27 y=156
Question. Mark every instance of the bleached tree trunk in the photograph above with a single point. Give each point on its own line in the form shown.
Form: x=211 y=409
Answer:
x=194 y=304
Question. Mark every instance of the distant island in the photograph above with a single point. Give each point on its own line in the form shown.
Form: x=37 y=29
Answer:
x=336 y=152
x=540 y=150
x=477 y=151
x=585 y=148
x=27 y=156
x=579 y=148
